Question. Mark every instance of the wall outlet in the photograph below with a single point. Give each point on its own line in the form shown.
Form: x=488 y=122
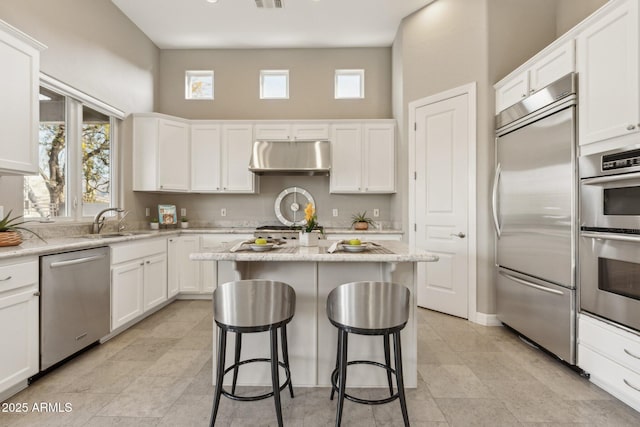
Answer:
x=223 y=212
x=147 y=212
x=183 y=211
x=335 y=212
x=376 y=213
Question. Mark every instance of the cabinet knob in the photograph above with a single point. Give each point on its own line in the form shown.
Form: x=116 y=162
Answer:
x=142 y=263
x=532 y=90
x=524 y=95
x=631 y=127
x=148 y=262
x=36 y=294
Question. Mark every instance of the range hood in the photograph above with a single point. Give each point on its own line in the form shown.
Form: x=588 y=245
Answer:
x=290 y=157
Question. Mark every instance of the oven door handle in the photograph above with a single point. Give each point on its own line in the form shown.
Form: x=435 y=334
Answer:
x=494 y=200
x=530 y=284
x=612 y=178
x=612 y=236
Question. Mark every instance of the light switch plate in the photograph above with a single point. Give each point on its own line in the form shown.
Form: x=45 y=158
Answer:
x=147 y=212
x=183 y=211
x=376 y=213
x=335 y=212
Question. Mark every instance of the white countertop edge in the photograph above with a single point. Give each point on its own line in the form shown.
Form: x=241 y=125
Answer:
x=325 y=257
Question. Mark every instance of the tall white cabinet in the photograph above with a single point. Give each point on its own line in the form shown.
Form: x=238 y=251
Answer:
x=608 y=72
x=363 y=157
x=160 y=153
x=19 y=108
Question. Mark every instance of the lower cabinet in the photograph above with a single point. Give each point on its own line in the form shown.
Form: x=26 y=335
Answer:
x=19 y=322
x=213 y=272
x=611 y=355
x=138 y=279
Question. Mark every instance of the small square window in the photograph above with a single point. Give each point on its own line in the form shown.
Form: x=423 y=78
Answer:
x=349 y=84
x=198 y=85
x=274 y=84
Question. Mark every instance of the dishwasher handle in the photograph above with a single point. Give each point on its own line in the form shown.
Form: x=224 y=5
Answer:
x=76 y=261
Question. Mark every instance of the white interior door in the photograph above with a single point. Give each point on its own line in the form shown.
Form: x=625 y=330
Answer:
x=442 y=203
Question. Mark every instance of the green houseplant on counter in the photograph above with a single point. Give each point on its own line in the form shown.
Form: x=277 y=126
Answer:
x=154 y=224
x=184 y=222
x=360 y=221
x=10 y=231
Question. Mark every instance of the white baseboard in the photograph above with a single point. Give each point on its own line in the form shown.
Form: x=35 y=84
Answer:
x=487 y=319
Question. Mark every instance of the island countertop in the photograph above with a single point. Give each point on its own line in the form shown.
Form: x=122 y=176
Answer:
x=383 y=251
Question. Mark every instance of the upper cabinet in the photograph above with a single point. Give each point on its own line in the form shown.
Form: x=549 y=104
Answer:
x=545 y=68
x=289 y=131
x=206 y=158
x=19 y=109
x=237 y=142
x=608 y=74
x=363 y=157
x=160 y=154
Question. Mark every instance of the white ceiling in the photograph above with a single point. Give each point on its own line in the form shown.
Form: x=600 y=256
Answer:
x=189 y=24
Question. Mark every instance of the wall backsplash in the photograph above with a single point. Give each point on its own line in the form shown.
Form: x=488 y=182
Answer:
x=258 y=209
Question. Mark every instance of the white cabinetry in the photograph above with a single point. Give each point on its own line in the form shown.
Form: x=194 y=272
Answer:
x=289 y=131
x=188 y=271
x=363 y=157
x=19 y=108
x=611 y=355
x=160 y=154
x=608 y=74
x=206 y=158
x=546 y=67
x=19 y=324
x=237 y=141
x=138 y=279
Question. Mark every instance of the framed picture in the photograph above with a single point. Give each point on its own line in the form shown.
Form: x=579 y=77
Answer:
x=167 y=214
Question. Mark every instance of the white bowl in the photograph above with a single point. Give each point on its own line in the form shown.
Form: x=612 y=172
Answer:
x=262 y=248
x=354 y=248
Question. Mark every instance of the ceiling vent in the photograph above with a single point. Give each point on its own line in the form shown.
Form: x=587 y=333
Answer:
x=269 y=4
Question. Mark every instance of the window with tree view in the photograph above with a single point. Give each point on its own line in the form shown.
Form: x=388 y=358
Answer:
x=75 y=167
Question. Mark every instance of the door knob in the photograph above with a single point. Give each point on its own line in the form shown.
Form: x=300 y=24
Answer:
x=460 y=235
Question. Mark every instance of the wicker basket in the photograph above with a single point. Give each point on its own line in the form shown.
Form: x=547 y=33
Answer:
x=10 y=238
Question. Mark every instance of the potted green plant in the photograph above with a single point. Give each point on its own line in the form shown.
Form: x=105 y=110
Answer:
x=360 y=221
x=184 y=222
x=10 y=231
x=154 y=223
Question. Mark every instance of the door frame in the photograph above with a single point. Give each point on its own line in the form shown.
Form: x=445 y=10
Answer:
x=469 y=90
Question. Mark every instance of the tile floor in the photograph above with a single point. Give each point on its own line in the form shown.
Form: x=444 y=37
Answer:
x=158 y=373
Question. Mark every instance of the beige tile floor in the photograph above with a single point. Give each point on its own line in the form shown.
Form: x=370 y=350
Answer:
x=158 y=373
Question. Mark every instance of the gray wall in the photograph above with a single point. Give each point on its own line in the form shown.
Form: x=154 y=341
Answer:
x=454 y=42
x=311 y=97
x=92 y=47
x=311 y=76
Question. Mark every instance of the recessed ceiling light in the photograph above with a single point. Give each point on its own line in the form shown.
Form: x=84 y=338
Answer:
x=212 y=1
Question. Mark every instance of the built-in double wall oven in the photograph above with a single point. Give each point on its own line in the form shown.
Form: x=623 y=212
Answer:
x=610 y=235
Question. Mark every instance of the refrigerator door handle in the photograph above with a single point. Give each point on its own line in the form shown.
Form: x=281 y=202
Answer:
x=494 y=200
x=530 y=284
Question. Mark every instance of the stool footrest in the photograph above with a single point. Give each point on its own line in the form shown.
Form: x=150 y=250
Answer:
x=259 y=397
x=334 y=384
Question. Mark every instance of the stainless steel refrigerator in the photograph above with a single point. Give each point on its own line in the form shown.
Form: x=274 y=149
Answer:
x=534 y=211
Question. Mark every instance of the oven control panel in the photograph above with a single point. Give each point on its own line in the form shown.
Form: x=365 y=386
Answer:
x=622 y=160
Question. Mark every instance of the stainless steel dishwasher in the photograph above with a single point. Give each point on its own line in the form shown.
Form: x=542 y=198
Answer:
x=74 y=303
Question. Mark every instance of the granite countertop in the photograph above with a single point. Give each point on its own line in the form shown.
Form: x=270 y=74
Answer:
x=392 y=251
x=34 y=247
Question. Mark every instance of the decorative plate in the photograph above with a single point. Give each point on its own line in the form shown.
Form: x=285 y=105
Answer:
x=355 y=248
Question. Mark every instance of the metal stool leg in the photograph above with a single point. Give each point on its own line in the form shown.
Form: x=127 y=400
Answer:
x=285 y=356
x=342 y=385
x=399 y=380
x=333 y=390
x=236 y=360
x=275 y=379
x=222 y=347
x=387 y=361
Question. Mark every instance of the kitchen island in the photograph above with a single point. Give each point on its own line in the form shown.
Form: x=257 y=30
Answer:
x=313 y=272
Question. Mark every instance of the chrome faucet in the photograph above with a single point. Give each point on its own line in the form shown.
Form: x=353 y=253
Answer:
x=98 y=221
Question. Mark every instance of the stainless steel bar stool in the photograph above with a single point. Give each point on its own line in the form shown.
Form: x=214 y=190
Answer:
x=369 y=308
x=249 y=306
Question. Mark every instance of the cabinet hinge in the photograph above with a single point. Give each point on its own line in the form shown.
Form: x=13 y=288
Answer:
x=415 y=176
x=415 y=227
x=415 y=125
